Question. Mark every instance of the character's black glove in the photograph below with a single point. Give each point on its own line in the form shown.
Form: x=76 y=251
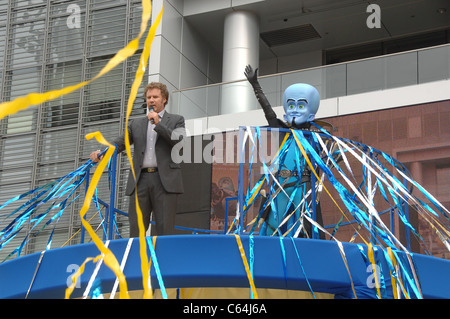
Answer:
x=251 y=75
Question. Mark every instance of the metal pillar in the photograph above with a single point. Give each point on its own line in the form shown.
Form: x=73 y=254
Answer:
x=240 y=47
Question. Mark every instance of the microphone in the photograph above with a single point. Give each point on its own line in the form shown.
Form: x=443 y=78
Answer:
x=149 y=110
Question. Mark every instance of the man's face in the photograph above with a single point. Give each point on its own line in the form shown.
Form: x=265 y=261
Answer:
x=155 y=100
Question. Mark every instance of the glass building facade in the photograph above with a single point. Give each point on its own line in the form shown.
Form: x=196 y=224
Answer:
x=47 y=45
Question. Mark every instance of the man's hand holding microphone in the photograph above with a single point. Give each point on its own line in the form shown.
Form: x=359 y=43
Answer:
x=152 y=116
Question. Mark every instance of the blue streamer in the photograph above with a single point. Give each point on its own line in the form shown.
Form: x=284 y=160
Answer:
x=56 y=194
x=156 y=267
x=303 y=269
x=358 y=199
x=283 y=255
x=407 y=275
x=96 y=290
x=251 y=243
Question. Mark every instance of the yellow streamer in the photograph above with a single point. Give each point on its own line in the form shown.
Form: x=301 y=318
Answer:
x=246 y=266
x=23 y=102
x=149 y=267
x=320 y=181
x=134 y=88
x=314 y=171
x=109 y=258
x=394 y=264
x=79 y=230
x=256 y=192
x=77 y=274
x=374 y=269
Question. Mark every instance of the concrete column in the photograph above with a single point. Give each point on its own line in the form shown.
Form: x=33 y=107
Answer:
x=240 y=47
x=417 y=172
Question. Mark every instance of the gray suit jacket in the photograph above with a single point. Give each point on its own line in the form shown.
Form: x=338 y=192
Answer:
x=170 y=172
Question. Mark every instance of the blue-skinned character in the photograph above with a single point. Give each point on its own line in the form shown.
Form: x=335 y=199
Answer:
x=300 y=102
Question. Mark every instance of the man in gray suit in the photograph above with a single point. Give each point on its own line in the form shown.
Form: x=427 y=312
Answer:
x=158 y=178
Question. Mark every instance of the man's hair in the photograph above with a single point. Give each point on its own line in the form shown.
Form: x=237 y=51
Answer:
x=157 y=85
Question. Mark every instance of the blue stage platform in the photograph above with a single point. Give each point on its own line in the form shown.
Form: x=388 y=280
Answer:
x=215 y=261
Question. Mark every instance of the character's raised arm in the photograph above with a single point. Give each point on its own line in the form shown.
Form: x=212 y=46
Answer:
x=252 y=77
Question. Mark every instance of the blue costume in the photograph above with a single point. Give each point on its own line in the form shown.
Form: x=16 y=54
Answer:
x=300 y=102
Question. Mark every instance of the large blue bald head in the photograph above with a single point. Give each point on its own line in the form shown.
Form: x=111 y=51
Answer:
x=300 y=102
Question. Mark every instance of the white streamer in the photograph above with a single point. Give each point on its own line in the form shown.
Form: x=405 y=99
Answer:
x=122 y=266
x=94 y=274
